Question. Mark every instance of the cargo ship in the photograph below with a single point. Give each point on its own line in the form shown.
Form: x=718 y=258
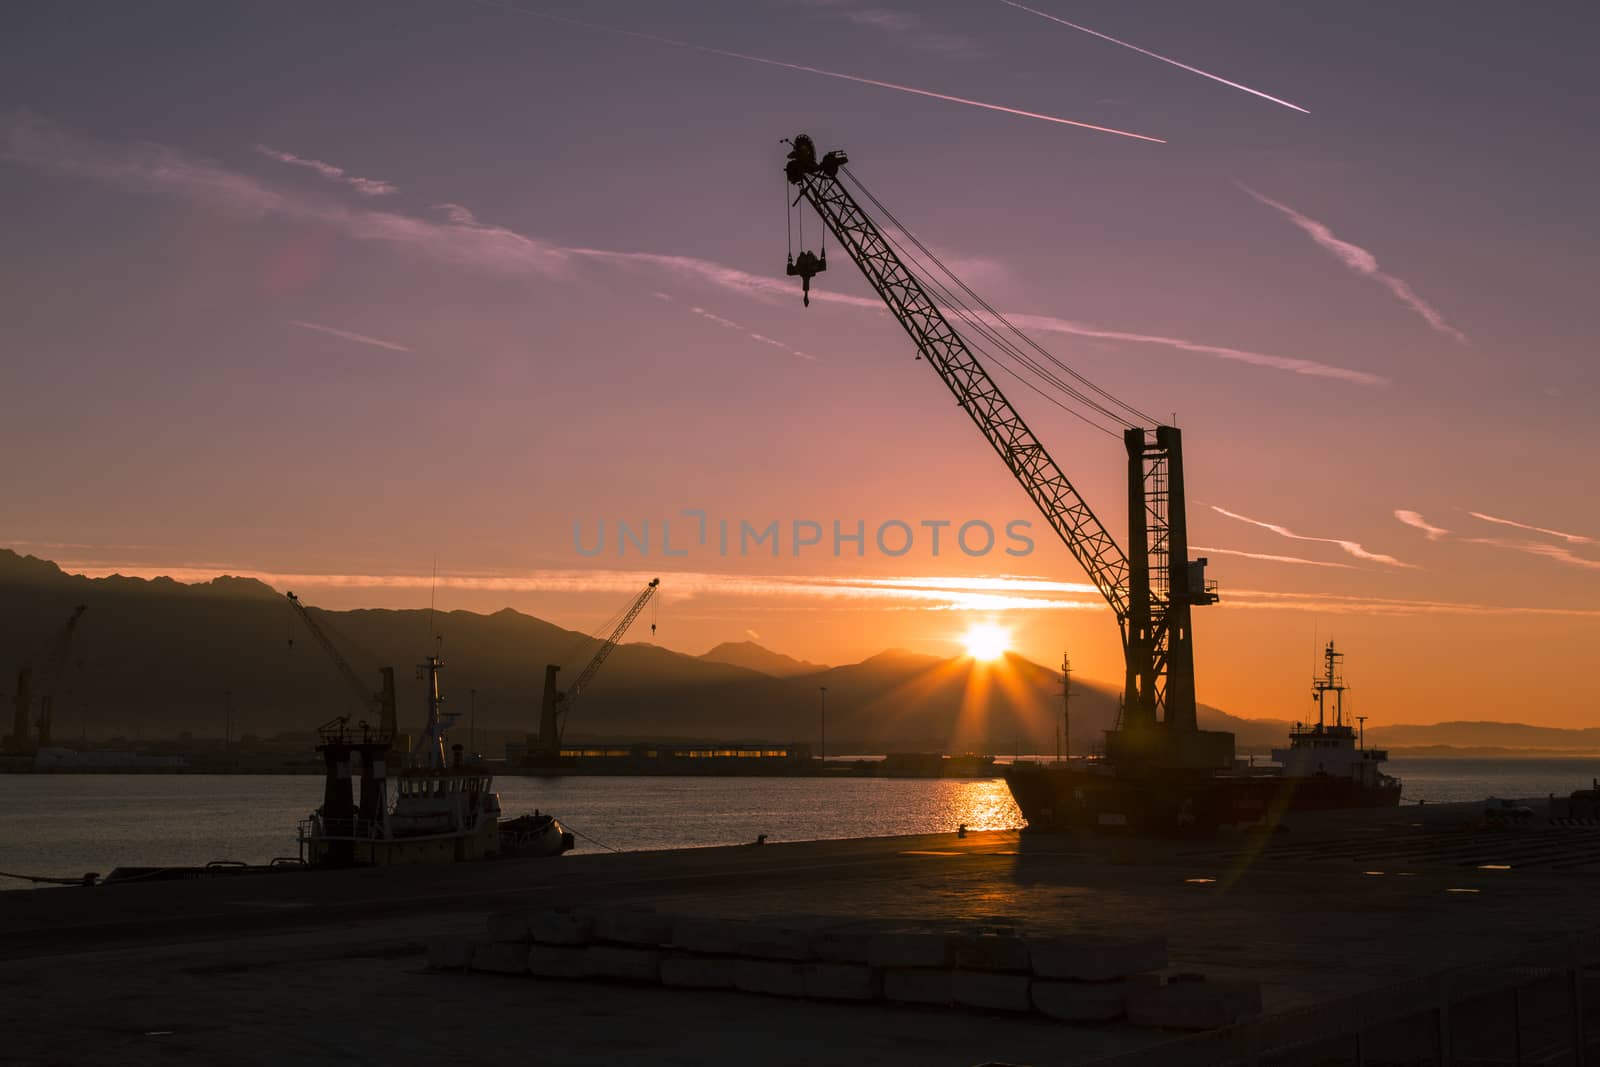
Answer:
x=1329 y=766
x=1171 y=781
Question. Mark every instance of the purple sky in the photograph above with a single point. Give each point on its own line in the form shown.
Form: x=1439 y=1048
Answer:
x=331 y=292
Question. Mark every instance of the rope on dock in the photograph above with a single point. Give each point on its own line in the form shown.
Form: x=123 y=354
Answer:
x=587 y=838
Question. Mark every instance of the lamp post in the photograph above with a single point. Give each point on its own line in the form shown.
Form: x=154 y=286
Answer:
x=823 y=692
x=472 y=707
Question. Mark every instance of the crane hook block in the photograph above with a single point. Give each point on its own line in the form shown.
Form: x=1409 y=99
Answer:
x=808 y=265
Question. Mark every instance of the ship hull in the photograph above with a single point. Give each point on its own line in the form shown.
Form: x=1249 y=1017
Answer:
x=329 y=850
x=1069 y=797
x=1326 y=793
x=1175 y=803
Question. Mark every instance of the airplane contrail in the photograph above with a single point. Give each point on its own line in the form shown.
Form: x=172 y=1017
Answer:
x=1154 y=55
x=827 y=73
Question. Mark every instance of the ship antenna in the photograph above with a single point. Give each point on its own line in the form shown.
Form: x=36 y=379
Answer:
x=433 y=594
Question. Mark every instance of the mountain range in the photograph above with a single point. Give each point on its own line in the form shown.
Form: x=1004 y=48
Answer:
x=154 y=658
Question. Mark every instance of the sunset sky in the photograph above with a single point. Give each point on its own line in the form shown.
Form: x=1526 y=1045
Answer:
x=338 y=294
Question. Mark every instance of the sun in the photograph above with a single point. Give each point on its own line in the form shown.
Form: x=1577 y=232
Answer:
x=986 y=641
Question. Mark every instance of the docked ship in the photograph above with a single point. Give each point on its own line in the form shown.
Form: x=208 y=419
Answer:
x=1325 y=767
x=1329 y=766
x=441 y=807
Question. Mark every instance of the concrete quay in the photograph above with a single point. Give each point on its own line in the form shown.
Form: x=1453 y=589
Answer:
x=324 y=966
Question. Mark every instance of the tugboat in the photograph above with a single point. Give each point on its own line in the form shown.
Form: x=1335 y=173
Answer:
x=442 y=810
x=1328 y=766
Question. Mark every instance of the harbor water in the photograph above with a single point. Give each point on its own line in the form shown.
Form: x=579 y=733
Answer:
x=66 y=825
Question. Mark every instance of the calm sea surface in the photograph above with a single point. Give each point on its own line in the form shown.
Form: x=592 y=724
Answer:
x=64 y=825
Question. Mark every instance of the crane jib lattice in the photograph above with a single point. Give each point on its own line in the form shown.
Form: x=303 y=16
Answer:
x=944 y=348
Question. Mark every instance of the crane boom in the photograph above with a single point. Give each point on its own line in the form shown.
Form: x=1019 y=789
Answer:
x=556 y=704
x=967 y=379
x=381 y=702
x=1150 y=588
x=611 y=641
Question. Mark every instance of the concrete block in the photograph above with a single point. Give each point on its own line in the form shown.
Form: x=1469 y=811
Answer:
x=508 y=926
x=449 y=953
x=627 y=964
x=910 y=948
x=633 y=927
x=1096 y=957
x=844 y=943
x=774 y=977
x=1081 y=1002
x=912 y=986
x=771 y=942
x=992 y=952
x=699 y=972
x=996 y=992
x=711 y=937
x=558 y=961
x=1193 y=1004
x=499 y=957
x=560 y=928
x=843 y=981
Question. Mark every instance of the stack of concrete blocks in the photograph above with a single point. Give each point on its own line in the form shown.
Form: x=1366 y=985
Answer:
x=1074 y=979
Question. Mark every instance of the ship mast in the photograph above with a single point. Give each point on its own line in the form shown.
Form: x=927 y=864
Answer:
x=1066 y=706
x=1331 y=682
x=429 y=753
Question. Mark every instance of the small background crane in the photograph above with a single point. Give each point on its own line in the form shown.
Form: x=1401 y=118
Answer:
x=51 y=663
x=556 y=705
x=380 y=704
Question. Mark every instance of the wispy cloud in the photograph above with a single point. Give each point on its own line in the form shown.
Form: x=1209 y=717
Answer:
x=729 y=324
x=1541 y=549
x=1340 y=604
x=753 y=635
x=460 y=239
x=1362 y=262
x=1155 y=55
x=364 y=186
x=1353 y=548
x=903 y=25
x=358 y=338
x=840 y=75
x=936 y=594
x=1569 y=538
x=1559 y=554
x=778 y=592
x=41 y=144
x=764 y=287
x=1311 y=368
x=1412 y=518
x=1268 y=557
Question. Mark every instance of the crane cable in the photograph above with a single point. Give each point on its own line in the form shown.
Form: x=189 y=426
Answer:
x=978 y=324
x=1140 y=416
x=1003 y=320
x=1008 y=351
x=1002 y=352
